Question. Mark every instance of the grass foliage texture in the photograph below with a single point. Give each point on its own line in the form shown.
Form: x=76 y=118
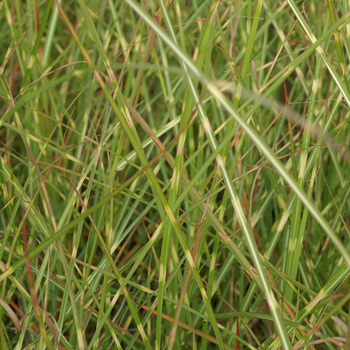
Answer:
x=174 y=174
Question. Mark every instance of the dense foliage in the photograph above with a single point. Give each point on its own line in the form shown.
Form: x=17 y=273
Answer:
x=174 y=175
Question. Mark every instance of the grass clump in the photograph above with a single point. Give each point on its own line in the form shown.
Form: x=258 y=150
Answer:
x=174 y=175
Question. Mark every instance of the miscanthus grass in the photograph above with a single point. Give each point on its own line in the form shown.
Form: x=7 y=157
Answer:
x=174 y=174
